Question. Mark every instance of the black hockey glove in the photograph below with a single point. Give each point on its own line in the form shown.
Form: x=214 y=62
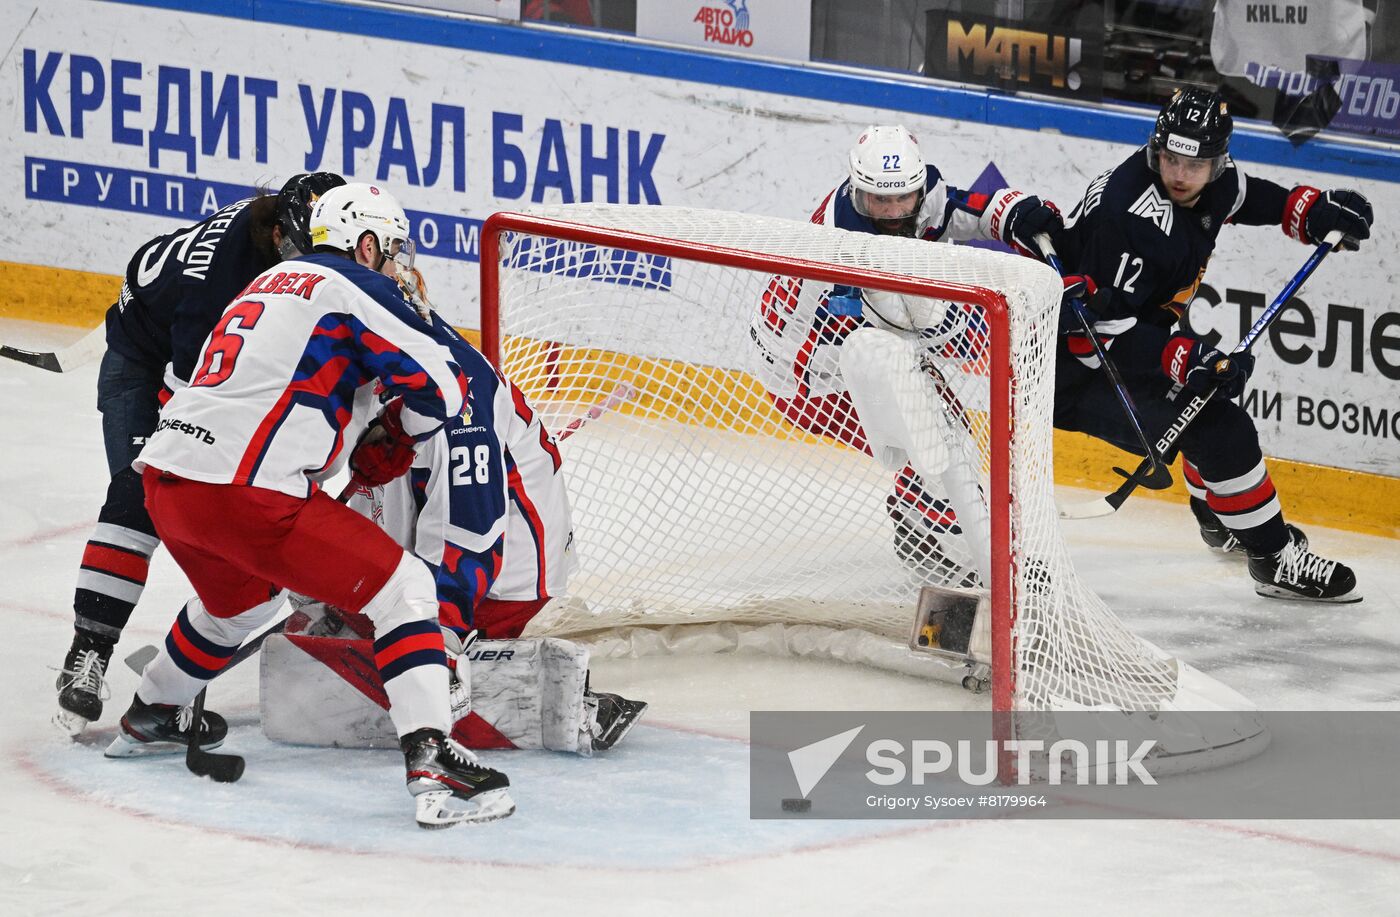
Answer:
x=1311 y=214
x=1017 y=218
x=1190 y=362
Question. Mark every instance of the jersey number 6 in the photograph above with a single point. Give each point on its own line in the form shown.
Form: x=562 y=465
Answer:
x=222 y=352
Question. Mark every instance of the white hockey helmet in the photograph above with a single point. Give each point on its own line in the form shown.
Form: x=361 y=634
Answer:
x=887 y=176
x=343 y=215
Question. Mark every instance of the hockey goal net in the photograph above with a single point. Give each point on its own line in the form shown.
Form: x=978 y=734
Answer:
x=720 y=488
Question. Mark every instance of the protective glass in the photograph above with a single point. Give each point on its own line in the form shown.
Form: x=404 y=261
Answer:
x=885 y=206
x=402 y=253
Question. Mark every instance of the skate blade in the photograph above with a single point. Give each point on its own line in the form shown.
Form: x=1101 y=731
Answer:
x=440 y=809
x=1274 y=592
x=620 y=728
x=127 y=746
x=68 y=721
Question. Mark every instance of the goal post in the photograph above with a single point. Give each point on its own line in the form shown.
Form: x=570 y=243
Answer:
x=723 y=491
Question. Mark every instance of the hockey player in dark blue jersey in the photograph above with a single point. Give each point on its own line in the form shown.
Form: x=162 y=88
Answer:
x=175 y=290
x=1137 y=246
x=889 y=190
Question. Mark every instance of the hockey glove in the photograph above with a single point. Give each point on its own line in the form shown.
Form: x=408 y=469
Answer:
x=384 y=452
x=1080 y=287
x=1311 y=214
x=1017 y=218
x=1190 y=362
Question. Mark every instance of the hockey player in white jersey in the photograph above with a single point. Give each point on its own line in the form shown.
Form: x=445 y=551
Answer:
x=230 y=478
x=485 y=506
x=801 y=329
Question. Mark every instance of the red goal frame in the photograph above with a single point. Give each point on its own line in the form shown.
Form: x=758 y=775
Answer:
x=1000 y=408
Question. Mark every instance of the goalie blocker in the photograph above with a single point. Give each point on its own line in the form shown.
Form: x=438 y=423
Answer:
x=320 y=686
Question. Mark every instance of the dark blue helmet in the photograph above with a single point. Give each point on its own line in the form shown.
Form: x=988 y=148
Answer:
x=1196 y=123
x=294 y=208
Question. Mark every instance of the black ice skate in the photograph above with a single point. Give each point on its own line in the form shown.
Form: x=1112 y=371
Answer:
x=448 y=785
x=614 y=717
x=1214 y=533
x=1297 y=573
x=157 y=729
x=923 y=539
x=1218 y=536
x=82 y=684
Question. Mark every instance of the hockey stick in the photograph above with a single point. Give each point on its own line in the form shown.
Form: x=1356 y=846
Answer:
x=85 y=349
x=621 y=394
x=221 y=768
x=1156 y=476
x=1106 y=505
x=141 y=657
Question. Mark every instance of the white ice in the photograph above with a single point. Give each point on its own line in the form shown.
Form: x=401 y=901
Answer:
x=661 y=825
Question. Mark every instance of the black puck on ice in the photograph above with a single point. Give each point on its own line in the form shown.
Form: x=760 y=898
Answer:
x=797 y=805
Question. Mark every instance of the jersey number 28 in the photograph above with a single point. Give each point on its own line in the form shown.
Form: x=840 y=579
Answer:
x=470 y=465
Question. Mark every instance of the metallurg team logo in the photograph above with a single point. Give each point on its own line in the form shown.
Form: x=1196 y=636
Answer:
x=1151 y=207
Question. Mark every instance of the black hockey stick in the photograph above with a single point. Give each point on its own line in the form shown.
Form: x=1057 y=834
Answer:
x=1103 y=506
x=221 y=768
x=1154 y=474
x=76 y=354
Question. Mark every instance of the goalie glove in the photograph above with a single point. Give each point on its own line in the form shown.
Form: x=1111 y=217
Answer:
x=1188 y=361
x=384 y=452
x=1311 y=214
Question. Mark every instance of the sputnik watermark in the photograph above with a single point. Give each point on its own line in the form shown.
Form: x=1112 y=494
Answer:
x=1073 y=764
x=1108 y=763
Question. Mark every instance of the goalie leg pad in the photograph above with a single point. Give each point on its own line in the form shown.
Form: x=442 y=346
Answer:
x=524 y=694
x=898 y=409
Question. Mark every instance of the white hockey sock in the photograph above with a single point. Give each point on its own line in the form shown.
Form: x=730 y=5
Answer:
x=196 y=649
x=408 y=649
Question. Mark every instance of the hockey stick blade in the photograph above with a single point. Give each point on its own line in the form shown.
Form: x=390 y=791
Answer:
x=219 y=768
x=141 y=658
x=76 y=354
x=47 y=361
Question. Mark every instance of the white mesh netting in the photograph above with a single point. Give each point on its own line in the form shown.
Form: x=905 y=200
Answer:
x=716 y=470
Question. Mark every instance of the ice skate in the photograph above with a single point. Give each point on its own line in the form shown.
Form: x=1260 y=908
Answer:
x=1297 y=573
x=1218 y=536
x=923 y=532
x=449 y=787
x=82 y=684
x=614 y=718
x=156 y=729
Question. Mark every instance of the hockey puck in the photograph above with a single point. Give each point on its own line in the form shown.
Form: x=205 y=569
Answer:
x=797 y=805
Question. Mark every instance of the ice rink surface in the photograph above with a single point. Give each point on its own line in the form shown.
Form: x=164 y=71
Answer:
x=661 y=824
